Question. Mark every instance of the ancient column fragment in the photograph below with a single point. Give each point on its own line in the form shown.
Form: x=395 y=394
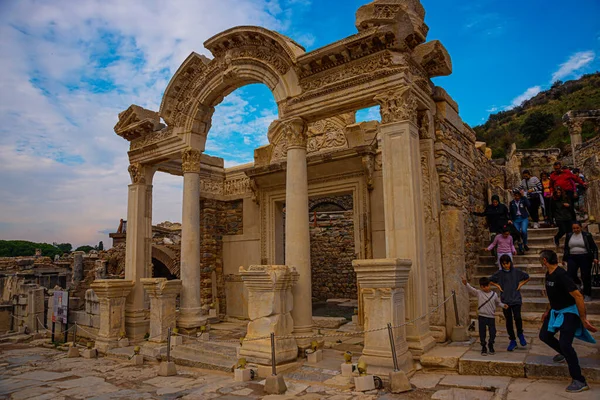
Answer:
x=111 y=296
x=382 y=284
x=403 y=206
x=297 y=247
x=77 y=266
x=270 y=302
x=162 y=306
x=190 y=312
x=138 y=248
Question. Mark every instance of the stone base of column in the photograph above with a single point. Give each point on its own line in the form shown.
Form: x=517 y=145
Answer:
x=190 y=319
x=419 y=342
x=303 y=344
x=137 y=325
x=105 y=344
x=383 y=364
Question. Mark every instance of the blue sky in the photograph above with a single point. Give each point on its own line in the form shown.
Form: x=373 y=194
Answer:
x=68 y=68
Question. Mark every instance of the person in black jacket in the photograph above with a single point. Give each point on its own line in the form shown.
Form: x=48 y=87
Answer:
x=561 y=212
x=496 y=215
x=580 y=253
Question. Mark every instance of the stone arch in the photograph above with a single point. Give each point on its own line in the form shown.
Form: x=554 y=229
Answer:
x=243 y=55
x=168 y=257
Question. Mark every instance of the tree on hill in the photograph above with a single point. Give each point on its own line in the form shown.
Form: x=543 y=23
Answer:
x=100 y=246
x=64 y=247
x=536 y=127
x=85 y=248
x=24 y=248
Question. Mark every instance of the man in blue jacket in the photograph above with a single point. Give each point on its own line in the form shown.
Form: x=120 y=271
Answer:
x=519 y=215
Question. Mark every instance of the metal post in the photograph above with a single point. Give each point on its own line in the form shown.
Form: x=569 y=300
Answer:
x=455 y=308
x=169 y=345
x=75 y=335
x=67 y=319
x=393 y=345
x=273 y=367
x=52 y=338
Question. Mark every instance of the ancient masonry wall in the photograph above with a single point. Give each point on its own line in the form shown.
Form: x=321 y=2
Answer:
x=217 y=218
x=588 y=159
x=331 y=255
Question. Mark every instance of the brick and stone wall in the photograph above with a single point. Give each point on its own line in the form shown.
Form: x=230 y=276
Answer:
x=588 y=159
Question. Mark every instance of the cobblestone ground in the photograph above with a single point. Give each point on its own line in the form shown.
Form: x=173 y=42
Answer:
x=30 y=372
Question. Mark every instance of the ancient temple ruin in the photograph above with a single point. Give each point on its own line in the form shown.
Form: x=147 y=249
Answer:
x=403 y=185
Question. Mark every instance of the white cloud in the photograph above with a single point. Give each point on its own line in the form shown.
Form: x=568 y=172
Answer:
x=72 y=68
x=529 y=93
x=492 y=109
x=574 y=64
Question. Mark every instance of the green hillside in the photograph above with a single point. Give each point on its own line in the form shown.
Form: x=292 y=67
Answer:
x=537 y=123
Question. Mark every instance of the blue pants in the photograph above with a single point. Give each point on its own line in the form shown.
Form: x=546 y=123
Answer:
x=521 y=224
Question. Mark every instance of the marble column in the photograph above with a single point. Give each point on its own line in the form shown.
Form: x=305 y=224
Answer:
x=574 y=127
x=297 y=236
x=162 y=306
x=111 y=296
x=138 y=248
x=269 y=305
x=403 y=206
x=190 y=310
x=382 y=283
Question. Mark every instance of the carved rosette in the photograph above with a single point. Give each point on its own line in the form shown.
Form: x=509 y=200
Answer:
x=295 y=133
x=136 y=171
x=190 y=161
x=398 y=105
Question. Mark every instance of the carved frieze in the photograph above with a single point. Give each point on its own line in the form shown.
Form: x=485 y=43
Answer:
x=190 y=161
x=332 y=138
x=398 y=105
x=239 y=185
x=211 y=186
x=368 y=162
x=136 y=171
x=151 y=139
x=424 y=132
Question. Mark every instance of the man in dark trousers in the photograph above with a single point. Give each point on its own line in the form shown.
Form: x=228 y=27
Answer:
x=568 y=182
x=565 y=314
x=496 y=215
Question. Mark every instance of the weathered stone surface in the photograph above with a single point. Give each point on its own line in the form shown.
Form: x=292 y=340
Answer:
x=443 y=357
x=329 y=322
x=463 y=394
x=502 y=364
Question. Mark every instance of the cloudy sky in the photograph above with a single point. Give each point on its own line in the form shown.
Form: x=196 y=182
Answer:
x=69 y=67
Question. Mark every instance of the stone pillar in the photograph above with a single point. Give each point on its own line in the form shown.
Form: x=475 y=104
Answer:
x=111 y=296
x=77 y=267
x=403 y=205
x=297 y=246
x=35 y=308
x=269 y=304
x=190 y=312
x=138 y=247
x=382 y=283
x=574 y=126
x=453 y=265
x=162 y=306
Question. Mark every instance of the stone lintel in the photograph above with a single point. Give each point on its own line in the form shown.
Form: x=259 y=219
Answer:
x=268 y=277
x=111 y=288
x=440 y=95
x=382 y=273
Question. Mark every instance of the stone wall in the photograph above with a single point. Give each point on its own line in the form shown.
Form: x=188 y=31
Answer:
x=588 y=158
x=331 y=254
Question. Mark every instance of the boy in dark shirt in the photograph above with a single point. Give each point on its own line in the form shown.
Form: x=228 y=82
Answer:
x=510 y=280
x=565 y=313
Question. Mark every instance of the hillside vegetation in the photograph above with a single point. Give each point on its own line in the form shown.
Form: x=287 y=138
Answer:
x=537 y=122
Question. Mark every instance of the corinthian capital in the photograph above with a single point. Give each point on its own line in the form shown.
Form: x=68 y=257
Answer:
x=137 y=173
x=190 y=160
x=295 y=132
x=397 y=105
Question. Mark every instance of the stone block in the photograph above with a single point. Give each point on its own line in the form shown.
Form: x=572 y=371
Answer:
x=73 y=352
x=364 y=383
x=123 y=342
x=242 y=375
x=212 y=313
x=355 y=319
x=443 y=358
x=176 y=340
x=275 y=385
x=315 y=356
x=167 y=368
x=502 y=364
x=137 y=359
x=329 y=322
x=89 y=353
x=347 y=369
x=399 y=382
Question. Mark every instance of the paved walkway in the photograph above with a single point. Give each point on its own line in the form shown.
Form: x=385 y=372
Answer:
x=29 y=372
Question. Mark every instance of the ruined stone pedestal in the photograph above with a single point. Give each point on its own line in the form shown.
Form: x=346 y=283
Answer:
x=167 y=368
x=382 y=283
x=364 y=383
x=162 y=295
x=111 y=296
x=399 y=382
x=269 y=307
x=242 y=375
x=347 y=369
x=315 y=357
x=89 y=353
x=137 y=359
x=73 y=352
x=275 y=385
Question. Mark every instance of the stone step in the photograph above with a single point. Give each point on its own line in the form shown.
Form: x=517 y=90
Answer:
x=529 y=268
x=541 y=232
x=534 y=279
x=531 y=320
x=529 y=258
x=210 y=356
x=530 y=290
x=539 y=304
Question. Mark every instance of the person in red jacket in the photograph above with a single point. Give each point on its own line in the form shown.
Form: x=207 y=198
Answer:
x=568 y=181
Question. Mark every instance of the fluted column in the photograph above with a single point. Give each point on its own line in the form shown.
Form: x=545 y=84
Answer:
x=403 y=206
x=297 y=236
x=190 y=311
x=138 y=247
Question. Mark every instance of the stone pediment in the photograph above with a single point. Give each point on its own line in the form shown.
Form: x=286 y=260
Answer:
x=434 y=58
x=136 y=122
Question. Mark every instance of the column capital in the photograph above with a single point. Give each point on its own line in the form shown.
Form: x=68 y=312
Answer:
x=295 y=132
x=190 y=160
x=156 y=287
x=398 y=104
x=137 y=172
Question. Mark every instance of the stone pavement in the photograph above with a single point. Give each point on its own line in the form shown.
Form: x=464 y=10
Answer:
x=29 y=372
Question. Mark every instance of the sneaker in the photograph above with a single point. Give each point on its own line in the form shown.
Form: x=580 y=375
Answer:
x=526 y=247
x=536 y=225
x=484 y=351
x=577 y=386
x=559 y=358
x=491 y=351
x=587 y=299
x=522 y=340
x=512 y=345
